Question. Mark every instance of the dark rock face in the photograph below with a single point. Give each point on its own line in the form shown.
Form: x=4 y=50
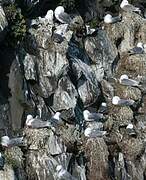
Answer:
x=41 y=76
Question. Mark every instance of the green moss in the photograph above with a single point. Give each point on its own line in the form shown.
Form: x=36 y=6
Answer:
x=17 y=25
x=10 y=160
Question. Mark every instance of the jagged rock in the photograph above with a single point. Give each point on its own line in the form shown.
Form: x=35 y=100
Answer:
x=103 y=54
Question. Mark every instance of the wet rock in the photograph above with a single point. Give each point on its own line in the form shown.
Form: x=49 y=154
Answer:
x=3 y=24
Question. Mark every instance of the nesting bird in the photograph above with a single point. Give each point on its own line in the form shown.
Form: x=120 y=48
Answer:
x=36 y=123
x=108 y=19
x=94 y=132
x=92 y=116
x=7 y=142
x=139 y=49
x=63 y=174
x=2 y=162
x=103 y=108
x=62 y=16
x=130 y=130
x=129 y=7
x=125 y=80
x=49 y=16
x=116 y=100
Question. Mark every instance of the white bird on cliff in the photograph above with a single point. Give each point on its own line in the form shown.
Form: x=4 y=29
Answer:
x=116 y=100
x=49 y=16
x=129 y=7
x=62 y=16
x=7 y=142
x=103 y=108
x=108 y=19
x=2 y=161
x=130 y=129
x=63 y=174
x=36 y=123
x=94 y=132
x=88 y=116
x=125 y=80
x=139 y=49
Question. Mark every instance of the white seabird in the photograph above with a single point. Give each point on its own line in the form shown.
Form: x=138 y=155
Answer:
x=63 y=174
x=36 y=123
x=2 y=161
x=122 y=102
x=129 y=7
x=103 y=108
x=94 y=132
x=7 y=142
x=130 y=129
x=125 y=80
x=49 y=16
x=92 y=116
x=139 y=49
x=108 y=19
x=90 y=30
x=62 y=16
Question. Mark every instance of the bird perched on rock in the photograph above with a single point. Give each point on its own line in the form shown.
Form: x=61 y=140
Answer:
x=62 y=16
x=94 y=132
x=103 y=108
x=129 y=7
x=36 y=123
x=2 y=161
x=92 y=116
x=49 y=16
x=108 y=19
x=125 y=80
x=139 y=49
x=130 y=130
x=116 y=100
x=7 y=142
x=63 y=174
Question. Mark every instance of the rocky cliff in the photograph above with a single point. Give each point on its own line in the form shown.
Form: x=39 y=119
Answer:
x=41 y=75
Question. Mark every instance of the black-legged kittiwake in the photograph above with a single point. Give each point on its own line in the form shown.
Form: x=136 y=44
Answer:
x=94 y=132
x=103 y=108
x=130 y=130
x=7 y=142
x=139 y=49
x=125 y=80
x=62 y=16
x=63 y=174
x=129 y=7
x=36 y=123
x=2 y=161
x=108 y=19
x=116 y=100
x=49 y=16
x=88 y=116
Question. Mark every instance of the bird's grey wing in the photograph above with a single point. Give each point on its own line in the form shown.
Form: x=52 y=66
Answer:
x=95 y=116
x=136 y=50
x=65 y=18
x=116 y=19
x=97 y=133
x=16 y=141
x=129 y=82
x=131 y=8
x=126 y=102
x=38 y=123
